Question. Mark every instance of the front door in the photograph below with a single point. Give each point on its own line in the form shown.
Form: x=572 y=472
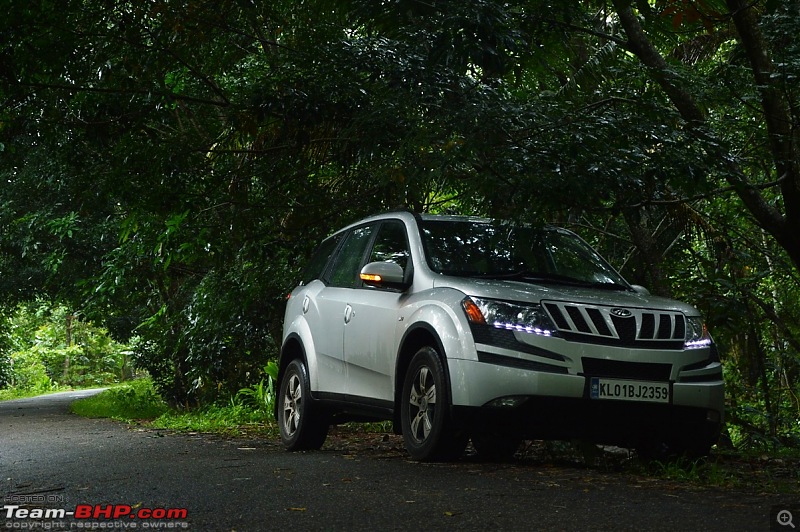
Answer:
x=371 y=327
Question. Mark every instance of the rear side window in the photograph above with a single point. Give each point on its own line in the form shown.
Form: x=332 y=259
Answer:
x=316 y=266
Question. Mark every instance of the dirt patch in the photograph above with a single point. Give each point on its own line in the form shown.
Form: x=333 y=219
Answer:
x=757 y=474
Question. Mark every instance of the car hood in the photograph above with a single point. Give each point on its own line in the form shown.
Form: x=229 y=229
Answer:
x=529 y=292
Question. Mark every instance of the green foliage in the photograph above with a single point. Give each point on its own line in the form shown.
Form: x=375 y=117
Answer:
x=704 y=472
x=49 y=347
x=168 y=167
x=233 y=418
x=137 y=401
x=261 y=396
x=30 y=373
x=134 y=401
x=6 y=368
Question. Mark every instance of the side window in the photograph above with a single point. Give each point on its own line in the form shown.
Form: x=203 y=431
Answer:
x=316 y=265
x=346 y=267
x=391 y=245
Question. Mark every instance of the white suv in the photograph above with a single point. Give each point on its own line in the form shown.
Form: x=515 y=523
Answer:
x=458 y=327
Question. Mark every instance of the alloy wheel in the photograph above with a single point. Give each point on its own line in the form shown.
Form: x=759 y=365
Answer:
x=422 y=404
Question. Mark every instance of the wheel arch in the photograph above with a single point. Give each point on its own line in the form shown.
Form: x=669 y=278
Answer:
x=418 y=336
x=292 y=349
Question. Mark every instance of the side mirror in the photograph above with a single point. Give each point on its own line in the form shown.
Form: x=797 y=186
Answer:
x=383 y=274
x=639 y=289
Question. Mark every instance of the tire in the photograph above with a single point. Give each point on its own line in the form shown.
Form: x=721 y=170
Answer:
x=495 y=447
x=302 y=426
x=425 y=411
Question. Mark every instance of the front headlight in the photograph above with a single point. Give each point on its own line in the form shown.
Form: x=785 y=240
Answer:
x=507 y=315
x=696 y=333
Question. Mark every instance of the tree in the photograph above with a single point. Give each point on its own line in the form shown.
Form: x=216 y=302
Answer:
x=189 y=153
x=703 y=96
x=773 y=86
x=167 y=166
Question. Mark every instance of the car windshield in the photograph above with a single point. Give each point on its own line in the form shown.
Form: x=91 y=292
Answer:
x=503 y=251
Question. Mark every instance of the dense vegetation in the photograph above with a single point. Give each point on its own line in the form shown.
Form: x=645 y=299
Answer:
x=46 y=348
x=167 y=166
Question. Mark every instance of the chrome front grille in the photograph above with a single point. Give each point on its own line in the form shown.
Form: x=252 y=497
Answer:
x=657 y=329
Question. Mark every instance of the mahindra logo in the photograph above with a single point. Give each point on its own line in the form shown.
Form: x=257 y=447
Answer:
x=621 y=312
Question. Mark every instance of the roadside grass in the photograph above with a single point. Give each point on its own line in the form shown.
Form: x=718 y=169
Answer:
x=8 y=394
x=712 y=471
x=234 y=419
x=756 y=471
x=130 y=402
x=14 y=393
x=136 y=402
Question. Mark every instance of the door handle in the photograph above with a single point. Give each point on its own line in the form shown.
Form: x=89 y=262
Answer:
x=349 y=313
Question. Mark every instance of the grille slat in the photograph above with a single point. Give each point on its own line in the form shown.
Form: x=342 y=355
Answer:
x=648 y=330
x=665 y=327
x=577 y=319
x=580 y=322
x=558 y=317
x=598 y=321
x=680 y=326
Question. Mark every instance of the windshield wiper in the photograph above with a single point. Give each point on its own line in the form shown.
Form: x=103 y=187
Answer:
x=532 y=276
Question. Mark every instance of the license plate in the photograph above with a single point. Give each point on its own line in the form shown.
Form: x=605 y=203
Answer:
x=627 y=390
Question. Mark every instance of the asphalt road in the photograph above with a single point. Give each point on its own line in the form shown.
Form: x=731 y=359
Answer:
x=51 y=460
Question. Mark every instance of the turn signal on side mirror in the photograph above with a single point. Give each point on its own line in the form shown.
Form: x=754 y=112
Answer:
x=371 y=277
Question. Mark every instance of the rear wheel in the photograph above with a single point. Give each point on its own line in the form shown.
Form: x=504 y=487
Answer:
x=427 y=430
x=302 y=426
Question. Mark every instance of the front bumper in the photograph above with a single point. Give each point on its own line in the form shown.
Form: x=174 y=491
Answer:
x=553 y=404
x=475 y=384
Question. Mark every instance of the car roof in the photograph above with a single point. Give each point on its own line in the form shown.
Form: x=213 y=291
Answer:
x=409 y=216
x=453 y=218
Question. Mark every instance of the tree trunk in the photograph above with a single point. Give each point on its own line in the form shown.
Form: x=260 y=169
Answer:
x=781 y=226
x=70 y=319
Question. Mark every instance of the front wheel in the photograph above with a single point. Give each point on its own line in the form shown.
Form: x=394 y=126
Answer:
x=424 y=414
x=301 y=425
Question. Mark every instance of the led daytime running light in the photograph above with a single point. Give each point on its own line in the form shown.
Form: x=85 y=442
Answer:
x=509 y=316
x=697 y=336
